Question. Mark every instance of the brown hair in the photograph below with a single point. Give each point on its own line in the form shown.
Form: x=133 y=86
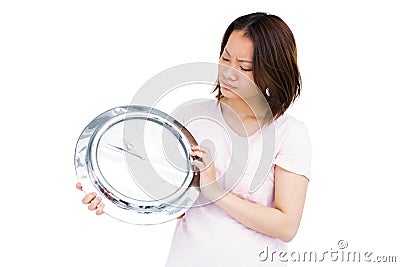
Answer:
x=274 y=59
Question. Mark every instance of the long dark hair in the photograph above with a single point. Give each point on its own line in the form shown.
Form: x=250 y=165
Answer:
x=274 y=59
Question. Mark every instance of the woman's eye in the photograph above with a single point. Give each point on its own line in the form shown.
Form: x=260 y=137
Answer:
x=243 y=69
x=225 y=59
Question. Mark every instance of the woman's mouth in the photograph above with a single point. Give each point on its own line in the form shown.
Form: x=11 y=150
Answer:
x=227 y=85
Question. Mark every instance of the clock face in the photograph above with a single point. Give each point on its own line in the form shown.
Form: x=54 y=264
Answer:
x=138 y=159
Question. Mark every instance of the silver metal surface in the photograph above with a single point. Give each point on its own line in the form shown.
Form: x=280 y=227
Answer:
x=138 y=160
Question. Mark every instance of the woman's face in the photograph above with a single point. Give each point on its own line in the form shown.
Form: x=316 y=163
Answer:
x=235 y=72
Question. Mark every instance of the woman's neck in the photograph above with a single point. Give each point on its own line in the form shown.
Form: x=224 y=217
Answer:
x=251 y=108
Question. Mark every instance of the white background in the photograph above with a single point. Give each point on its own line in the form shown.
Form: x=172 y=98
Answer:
x=64 y=62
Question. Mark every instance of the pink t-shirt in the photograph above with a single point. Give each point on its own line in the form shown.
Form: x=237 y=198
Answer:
x=207 y=235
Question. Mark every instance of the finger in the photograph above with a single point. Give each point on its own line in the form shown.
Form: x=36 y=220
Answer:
x=88 y=198
x=100 y=209
x=200 y=148
x=202 y=152
x=196 y=154
x=78 y=186
x=198 y=164
x=94 y=204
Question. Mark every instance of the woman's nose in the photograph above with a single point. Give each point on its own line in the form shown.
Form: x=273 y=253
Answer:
x=229 y=73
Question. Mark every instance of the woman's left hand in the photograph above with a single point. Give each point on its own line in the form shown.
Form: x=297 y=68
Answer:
x=205 y=163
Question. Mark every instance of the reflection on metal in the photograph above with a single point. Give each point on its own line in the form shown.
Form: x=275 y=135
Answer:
x=137 y=159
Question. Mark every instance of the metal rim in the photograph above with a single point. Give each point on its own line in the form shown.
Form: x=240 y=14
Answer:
x=119 y=206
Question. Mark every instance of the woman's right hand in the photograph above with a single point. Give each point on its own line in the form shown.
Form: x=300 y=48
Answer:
x=91 y=199
x=94 y=203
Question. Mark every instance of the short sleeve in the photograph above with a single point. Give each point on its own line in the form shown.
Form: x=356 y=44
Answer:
x=295 y=151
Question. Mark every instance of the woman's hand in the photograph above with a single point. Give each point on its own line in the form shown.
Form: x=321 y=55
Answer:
x=205 y=163
x=93 y=202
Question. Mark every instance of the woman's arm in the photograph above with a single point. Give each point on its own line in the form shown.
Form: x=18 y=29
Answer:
x=280 y=221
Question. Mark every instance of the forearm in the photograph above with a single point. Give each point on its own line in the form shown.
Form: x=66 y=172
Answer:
x=267 y=220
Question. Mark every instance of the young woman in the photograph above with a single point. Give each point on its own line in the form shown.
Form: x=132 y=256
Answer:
x=239 y=214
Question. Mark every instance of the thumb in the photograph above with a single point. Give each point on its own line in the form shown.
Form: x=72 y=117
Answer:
x=78 y=186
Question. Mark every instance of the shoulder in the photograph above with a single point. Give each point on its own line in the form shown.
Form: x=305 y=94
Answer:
x=202 y=104
x=194 y=109
x=289 y=126
x=287 y=122
x=293 y=145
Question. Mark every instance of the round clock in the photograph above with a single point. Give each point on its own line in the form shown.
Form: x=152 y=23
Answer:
x=138 y=160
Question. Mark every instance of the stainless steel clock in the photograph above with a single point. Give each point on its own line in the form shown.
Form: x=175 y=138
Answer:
x=138 y=160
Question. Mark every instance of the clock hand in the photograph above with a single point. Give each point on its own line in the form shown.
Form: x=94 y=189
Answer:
x=127 y=151
x=129 y=146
